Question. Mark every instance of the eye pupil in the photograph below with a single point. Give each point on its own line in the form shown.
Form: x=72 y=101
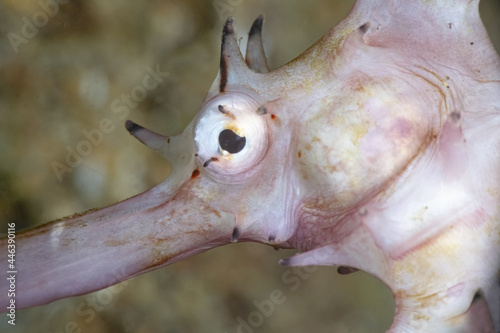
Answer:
x=231 y=142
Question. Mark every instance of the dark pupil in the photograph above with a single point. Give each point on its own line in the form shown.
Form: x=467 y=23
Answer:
x=231 y=142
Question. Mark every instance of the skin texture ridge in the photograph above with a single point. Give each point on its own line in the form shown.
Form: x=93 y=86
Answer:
x=377 y=149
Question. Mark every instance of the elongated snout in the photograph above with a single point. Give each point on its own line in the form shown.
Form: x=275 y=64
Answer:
x=91 y=251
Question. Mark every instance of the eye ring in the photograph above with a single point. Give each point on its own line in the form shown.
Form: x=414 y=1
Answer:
x=231 y=137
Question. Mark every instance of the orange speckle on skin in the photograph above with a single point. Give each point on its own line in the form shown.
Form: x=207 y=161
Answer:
x=273 y=117
x=195 y=173
x=300 y=154
x=233 y=127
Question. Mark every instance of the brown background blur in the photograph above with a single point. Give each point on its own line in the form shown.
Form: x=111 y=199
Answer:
x=63 y=81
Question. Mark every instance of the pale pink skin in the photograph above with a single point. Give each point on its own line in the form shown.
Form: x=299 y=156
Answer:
x=379 y=149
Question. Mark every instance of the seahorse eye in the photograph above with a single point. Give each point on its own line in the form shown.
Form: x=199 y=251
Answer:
x=231 y=142
x=231 y=137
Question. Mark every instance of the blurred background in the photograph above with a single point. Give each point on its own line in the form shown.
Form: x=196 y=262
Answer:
x=60 y=78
